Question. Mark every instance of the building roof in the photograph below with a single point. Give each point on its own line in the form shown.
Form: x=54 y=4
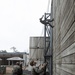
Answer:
x=12 y=54
x=15 y=58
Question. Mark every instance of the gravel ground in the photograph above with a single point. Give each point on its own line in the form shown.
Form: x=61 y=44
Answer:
x=9 y=71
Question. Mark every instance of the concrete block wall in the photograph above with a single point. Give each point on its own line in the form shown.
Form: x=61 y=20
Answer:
x=64 y=37
x=37 y=48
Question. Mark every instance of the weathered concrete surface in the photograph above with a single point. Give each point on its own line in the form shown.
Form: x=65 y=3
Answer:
x=64 y=37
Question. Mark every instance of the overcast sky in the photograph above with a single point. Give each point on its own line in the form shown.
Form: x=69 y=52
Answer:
x=19 y=20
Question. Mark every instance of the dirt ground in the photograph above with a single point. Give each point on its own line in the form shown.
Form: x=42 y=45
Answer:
x=8 y=71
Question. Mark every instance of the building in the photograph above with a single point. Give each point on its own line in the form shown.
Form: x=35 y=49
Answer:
x=10 y=56
x=63 y=37
x=37 y=49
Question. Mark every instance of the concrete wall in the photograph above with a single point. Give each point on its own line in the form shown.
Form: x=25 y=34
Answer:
x=64 y=37
x=37 y=48
x=26 y=59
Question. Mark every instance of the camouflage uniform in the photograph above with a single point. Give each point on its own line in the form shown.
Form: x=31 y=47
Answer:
x=36 y=71
x=16 y=70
